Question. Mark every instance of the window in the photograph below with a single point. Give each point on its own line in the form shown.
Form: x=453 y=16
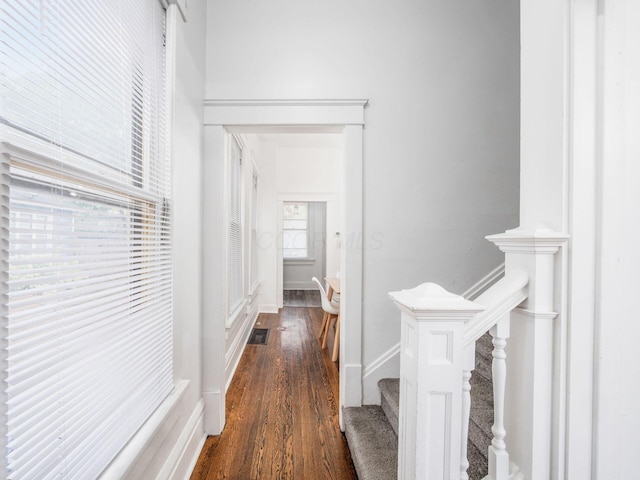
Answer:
x=295 y=230
x=87 y=334
x=235 y=291
x=254 y=231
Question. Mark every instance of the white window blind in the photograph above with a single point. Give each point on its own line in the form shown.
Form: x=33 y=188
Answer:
x=235 y=291
x=254 y=230
x=87 y=328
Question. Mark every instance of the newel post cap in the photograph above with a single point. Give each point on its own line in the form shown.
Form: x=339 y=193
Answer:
x=431 y=301
x=529 y=239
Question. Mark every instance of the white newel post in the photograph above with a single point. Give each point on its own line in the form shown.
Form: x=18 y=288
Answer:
x=531 y=402
x=431 y=381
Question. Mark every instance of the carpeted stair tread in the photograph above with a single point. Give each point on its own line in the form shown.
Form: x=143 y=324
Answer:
x=484 y=356
x=390 y=400
x=478 y=467
x=372 y=430
x=372 y=441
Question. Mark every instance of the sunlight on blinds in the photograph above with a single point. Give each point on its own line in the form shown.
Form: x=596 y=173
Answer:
x=88 y=323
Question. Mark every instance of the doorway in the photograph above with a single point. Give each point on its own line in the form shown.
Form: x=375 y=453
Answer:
x=313 y=116
x=304 y=243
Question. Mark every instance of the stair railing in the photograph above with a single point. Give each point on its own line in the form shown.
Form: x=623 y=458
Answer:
x=500 y=300
x=437 y=355
x=439 y=331
x=431 y=365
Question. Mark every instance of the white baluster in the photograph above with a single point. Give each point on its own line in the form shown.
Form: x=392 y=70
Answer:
x=466 y=411
x=498 y=455
x=469 y=364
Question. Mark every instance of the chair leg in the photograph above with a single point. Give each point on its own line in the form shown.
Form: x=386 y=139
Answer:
x=326 y=330
x=324 y=324
x=336 y=341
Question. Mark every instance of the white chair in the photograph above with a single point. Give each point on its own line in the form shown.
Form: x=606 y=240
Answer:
x=331 y=313
x=335 y=298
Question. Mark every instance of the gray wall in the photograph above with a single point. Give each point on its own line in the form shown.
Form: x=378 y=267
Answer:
x=442 y=126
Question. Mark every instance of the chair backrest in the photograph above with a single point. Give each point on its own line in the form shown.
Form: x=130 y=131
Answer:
x=326 y=304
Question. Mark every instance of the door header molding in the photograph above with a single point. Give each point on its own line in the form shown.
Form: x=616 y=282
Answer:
x=229 y=112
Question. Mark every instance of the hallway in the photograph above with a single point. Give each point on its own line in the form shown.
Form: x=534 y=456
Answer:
x=282 y=409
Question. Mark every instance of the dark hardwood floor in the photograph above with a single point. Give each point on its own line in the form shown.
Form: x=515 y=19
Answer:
x=282 y=409
x=301 y=298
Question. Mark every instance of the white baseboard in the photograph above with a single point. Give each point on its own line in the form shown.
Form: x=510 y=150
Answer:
x=268 y=308
x=213 y=412
x=350 y=388
x=301 y=285
x=234 y=353
x=386 y=365
x=182 y=459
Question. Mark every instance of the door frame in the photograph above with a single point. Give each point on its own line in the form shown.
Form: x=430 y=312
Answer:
x=315 y=116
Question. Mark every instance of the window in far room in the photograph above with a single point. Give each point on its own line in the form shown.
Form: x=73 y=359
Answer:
x=295 y=231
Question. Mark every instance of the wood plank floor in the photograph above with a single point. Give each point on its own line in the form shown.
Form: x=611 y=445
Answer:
x=301 y=298
x=282 y=409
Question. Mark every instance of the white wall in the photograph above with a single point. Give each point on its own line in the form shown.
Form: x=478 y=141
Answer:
x=441 y=133
x=294 y=167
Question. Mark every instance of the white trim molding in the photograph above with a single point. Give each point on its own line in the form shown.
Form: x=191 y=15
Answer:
x=284 y=112
x=184 y=456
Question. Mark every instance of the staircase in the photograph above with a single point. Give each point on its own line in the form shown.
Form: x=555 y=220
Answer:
x=372 y=430
x=372 y=434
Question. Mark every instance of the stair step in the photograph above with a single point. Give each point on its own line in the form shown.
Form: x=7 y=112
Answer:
x=484 y=356
x=390 y=400
x=372 y=441
x=372 y=431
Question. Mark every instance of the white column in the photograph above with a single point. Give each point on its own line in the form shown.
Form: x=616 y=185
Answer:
x=351 y=271
x=530 y=411
x=431 y=374
x=213 y=280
